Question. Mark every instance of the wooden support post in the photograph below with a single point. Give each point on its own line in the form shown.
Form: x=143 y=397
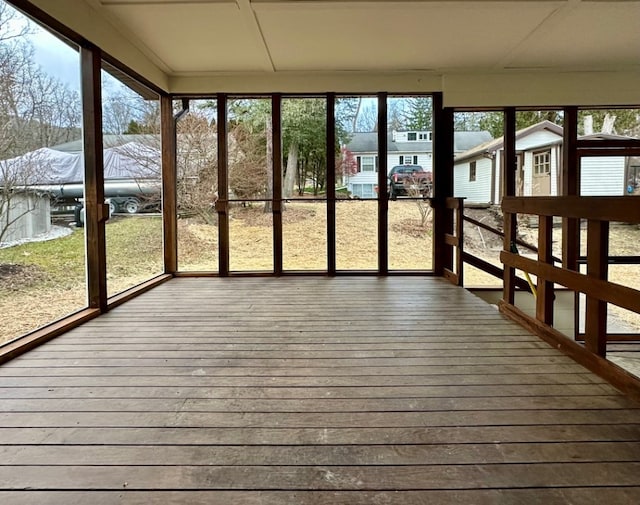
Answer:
x=442 y=184
x=169 y=185
x=460 y=236
x=570 y=183
x=597 y=266
x=509 y=189
x=276 y=163
x=383 y=200
x=570 y=186
x=545 y=295
x=222 y=205
x=96 y=211
x=331 y=183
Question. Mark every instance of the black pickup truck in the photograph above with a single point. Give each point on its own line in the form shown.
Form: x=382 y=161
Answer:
x=411 y=180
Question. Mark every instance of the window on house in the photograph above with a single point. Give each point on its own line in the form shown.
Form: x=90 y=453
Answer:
x=367 y=163
x=542 y=163
x=412 y=136
x=472 y=171
x=363 y=191
x=409 y=160
x=424 y=136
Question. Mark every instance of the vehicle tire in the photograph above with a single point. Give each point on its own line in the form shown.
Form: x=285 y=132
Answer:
x=392 y=193
x=113 y=208
x=132 y=206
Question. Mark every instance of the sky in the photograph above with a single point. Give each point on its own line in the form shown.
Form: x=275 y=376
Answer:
x=55 y=57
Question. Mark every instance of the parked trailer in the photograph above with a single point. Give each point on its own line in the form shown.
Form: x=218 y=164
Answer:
x=122 y=195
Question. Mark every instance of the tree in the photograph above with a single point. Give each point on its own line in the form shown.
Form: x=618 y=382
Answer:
x=197 y=167
x=126 y=112
x=418 y=113
x=620 y=121
x=36 y=111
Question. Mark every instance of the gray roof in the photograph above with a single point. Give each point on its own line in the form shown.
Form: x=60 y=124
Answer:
x=367 y=142
x=497 y=144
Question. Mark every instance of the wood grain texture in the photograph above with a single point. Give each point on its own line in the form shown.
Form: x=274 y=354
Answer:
x=310 y=390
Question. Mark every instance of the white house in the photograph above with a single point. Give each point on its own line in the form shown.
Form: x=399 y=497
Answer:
x=403 y=148
x=478 y=171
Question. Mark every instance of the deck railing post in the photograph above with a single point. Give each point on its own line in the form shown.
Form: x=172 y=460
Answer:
x=545 y=296
x=460 y=235
x=597 y=267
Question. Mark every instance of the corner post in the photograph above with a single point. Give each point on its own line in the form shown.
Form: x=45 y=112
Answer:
x=96 y=211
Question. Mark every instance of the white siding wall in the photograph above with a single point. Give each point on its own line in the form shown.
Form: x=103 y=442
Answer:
x=424 y=160
x=602 y=176
x=478 y=191
x=362 y=178
x=33 y=215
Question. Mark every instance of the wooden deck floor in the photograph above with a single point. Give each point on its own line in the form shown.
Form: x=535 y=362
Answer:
x=298 y=391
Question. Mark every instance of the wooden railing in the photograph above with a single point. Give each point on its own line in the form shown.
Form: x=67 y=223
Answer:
x=456 y=240
x=599 y=212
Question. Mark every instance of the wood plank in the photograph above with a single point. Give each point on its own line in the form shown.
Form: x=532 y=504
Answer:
x=323 y=477
x=315 y=455
x=246 y=387
x=199 y=379
x=318 y=419
x=561 y=496
x=300 y=405
x=600 y=208
x=617 y=294
x=236 y=392
x=202 y=435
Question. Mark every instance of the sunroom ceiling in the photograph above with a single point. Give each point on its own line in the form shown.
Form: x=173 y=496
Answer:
x=202 y=36
x=476 y=51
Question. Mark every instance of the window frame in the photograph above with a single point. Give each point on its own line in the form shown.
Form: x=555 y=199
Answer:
x=473 y=171
x=545 y=164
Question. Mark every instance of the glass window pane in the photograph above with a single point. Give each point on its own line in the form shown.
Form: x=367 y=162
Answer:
x=357 y=179
x=304 y=183
x=132 y=182
x=42 y=245
x=410 y=182
x=250 y=162
x=197 y=187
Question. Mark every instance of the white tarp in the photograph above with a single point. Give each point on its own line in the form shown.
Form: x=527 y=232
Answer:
x=47 y=166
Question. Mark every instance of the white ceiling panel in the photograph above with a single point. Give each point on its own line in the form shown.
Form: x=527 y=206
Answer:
x=591 y=35
x=396 y=36
x=192 y=37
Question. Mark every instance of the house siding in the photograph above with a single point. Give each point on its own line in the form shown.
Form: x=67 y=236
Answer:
x=424 y=159
x=478 y=191
x=602 y=176
x=32 y=215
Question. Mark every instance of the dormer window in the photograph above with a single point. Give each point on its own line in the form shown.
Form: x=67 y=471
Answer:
x=418 y=136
